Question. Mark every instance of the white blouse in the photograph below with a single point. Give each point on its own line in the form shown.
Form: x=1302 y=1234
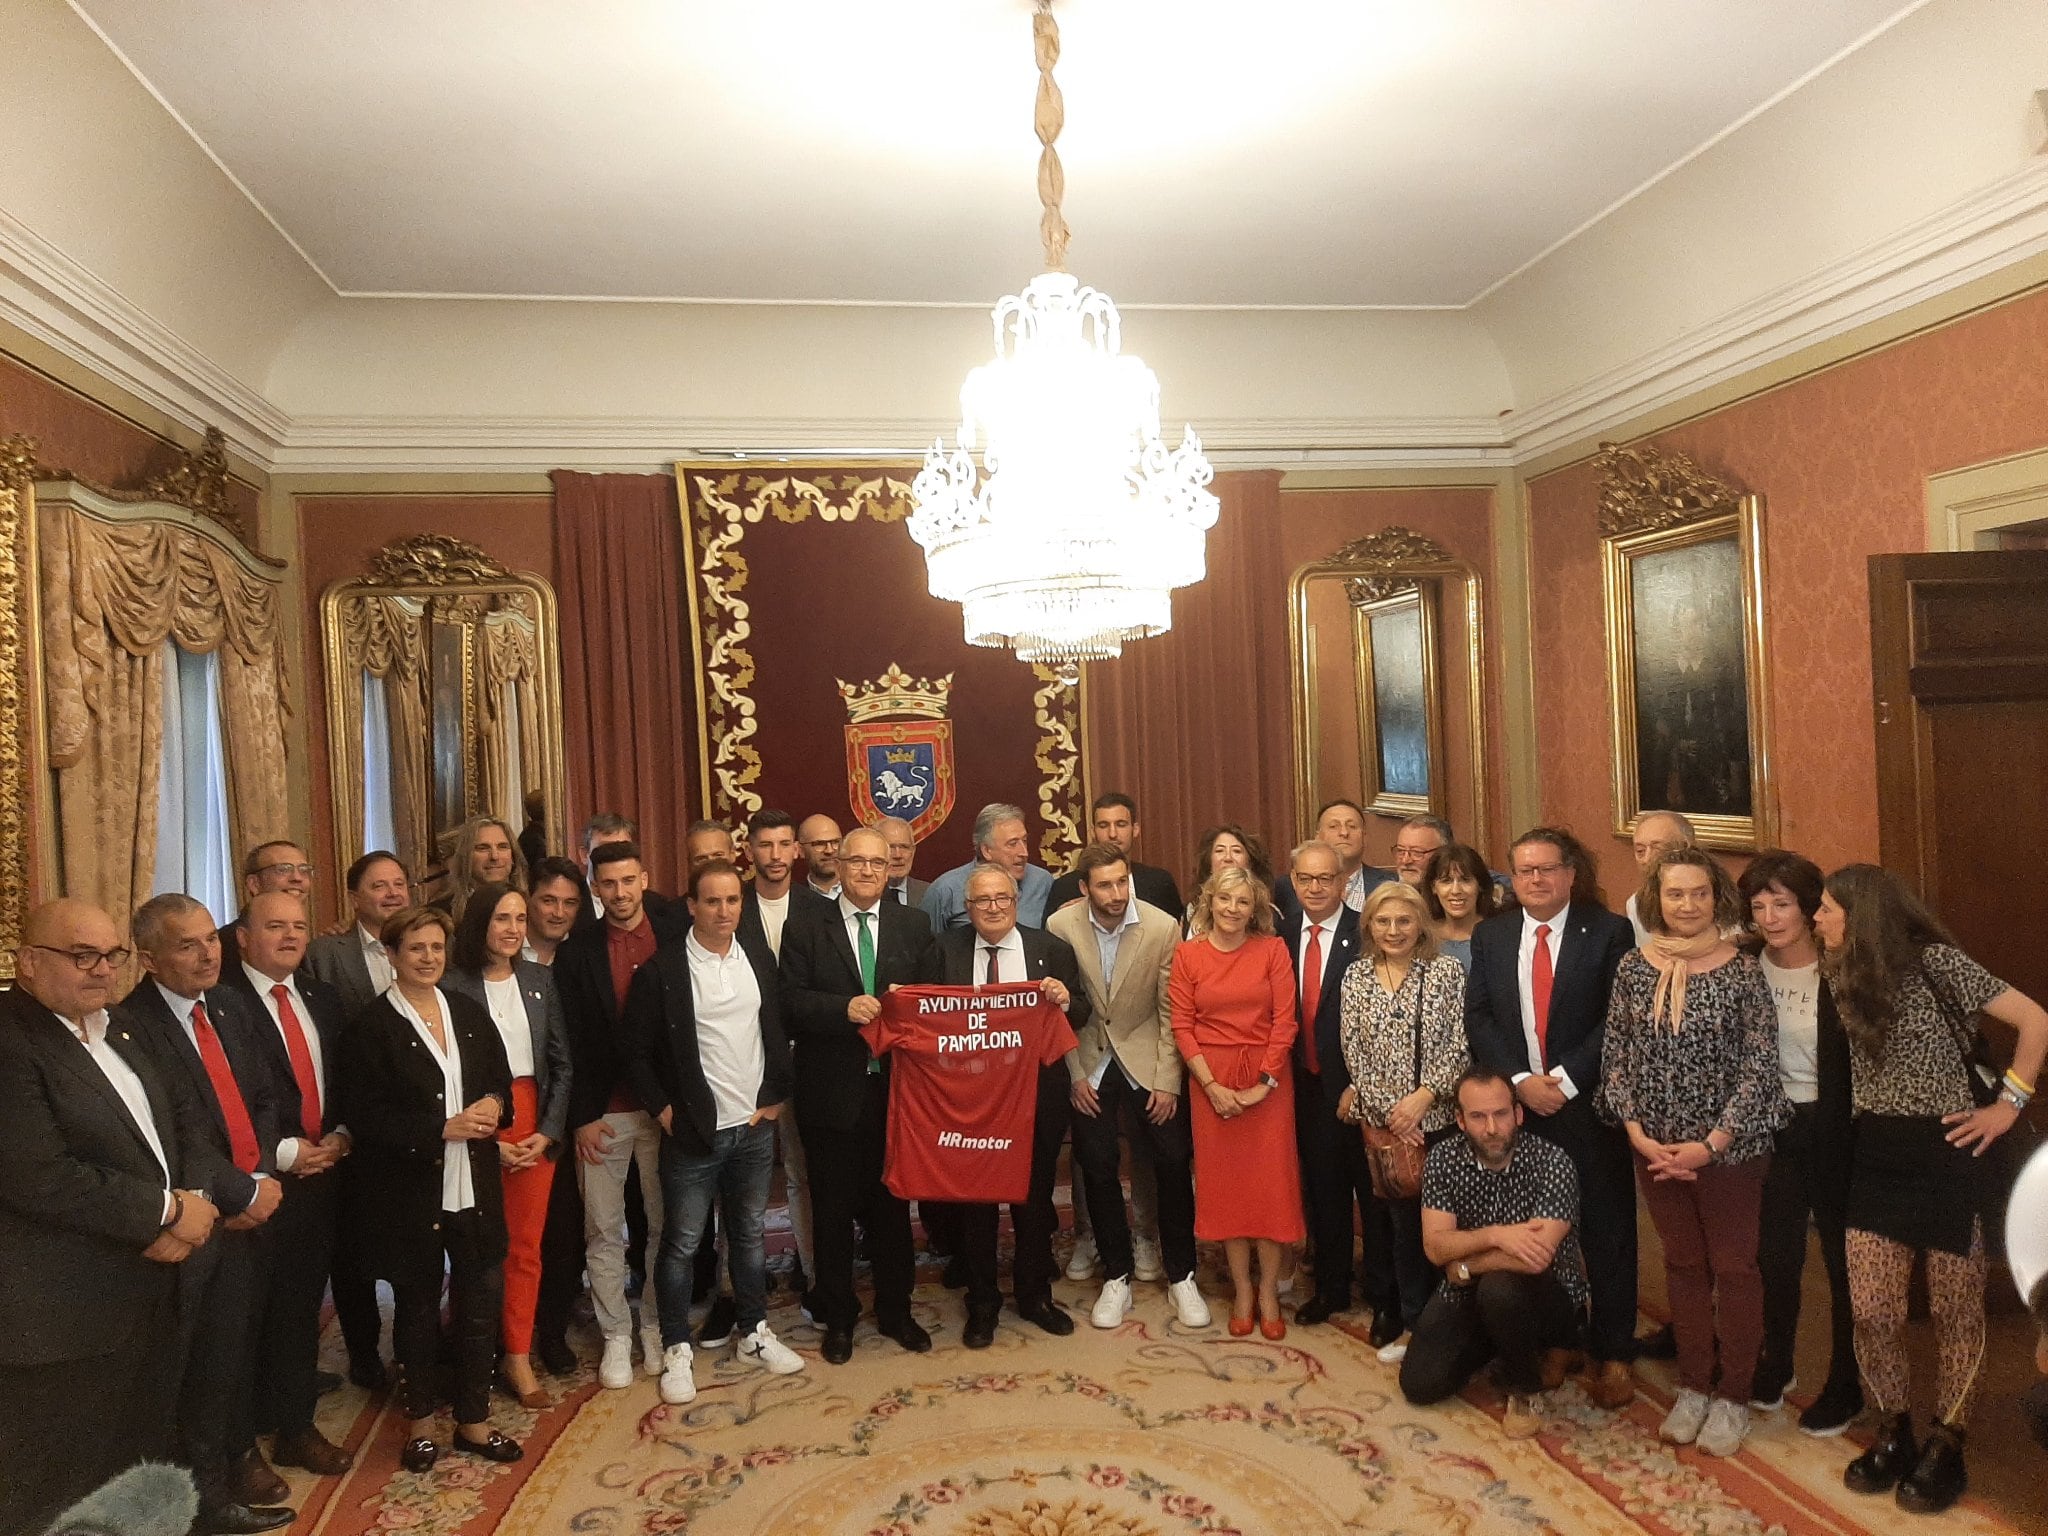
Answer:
x=458 y=1184
x=508 y=1012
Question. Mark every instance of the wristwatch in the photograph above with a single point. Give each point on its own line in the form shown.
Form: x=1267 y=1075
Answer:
x=1269 y=1080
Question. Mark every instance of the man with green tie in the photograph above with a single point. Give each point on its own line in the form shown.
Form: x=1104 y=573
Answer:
x=838 y=957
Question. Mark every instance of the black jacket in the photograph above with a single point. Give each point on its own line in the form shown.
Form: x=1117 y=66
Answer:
x=1328 y=1024
x=662 y=1057
x=81 y=1194
x=590 y=1008
x=800 y=896
x=820 y=976
x=328 y=1013
x=393 y=1104
x=950 y=963
x=1149 y=883
x=1590 y=947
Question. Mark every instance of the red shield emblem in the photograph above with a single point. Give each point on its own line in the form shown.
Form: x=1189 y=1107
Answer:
x=901 y=768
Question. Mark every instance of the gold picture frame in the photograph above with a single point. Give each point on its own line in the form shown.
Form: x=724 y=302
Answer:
x=26 y=829
x=1682 y=562
x=1387 y=664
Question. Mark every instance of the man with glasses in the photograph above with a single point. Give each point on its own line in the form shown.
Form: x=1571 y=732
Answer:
x=819 y=839
x=1536 y=1012
x=838 y=958
x=1417 y=839
x=273 y=866
x=105 y=1160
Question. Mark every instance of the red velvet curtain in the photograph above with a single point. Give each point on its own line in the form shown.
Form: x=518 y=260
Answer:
x=629 y=726
x=1196 y=725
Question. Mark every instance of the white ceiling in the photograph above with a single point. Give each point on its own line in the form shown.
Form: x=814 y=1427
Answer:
x=1269 y=152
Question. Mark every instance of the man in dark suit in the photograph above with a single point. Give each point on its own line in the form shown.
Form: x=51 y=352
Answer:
x=1536 y=1011
x=104 y=1164
x=993 y=949
x=278 y=865
x=708 y=1058
x=354 y=963
x=838 y=957
x=180 y=1007
x=1322 y=939
x=299 y=1021
x=1113 y=819
x=903 y=885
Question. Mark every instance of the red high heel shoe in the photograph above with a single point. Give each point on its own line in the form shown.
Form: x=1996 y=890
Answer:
x=1240 y=1327
x=1273 y=1327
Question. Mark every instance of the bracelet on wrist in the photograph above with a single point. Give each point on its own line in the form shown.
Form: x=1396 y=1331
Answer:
x=2012 y=1081
x=2018 y=1100
x=177 y=1210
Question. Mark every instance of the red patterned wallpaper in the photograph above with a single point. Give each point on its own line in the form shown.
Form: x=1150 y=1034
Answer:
x=1841 y=458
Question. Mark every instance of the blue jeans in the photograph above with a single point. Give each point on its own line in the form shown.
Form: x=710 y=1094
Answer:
x=737 y=1172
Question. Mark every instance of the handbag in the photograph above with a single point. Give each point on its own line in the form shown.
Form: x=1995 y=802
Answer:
x=1970 y=1044
x=1396 y=1165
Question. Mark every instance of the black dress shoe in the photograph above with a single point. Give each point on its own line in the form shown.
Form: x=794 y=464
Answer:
x=1386 y=1327
x=493 y=1447
x=1049 y=1315
x=718 y=1324
x=1661 y=1345
x=325 y=1382
x=980 y=1331
x=369 y=1374
x=1938 y=1478
x=251 y=1480
x=955 y=1276
x=556 y=1356
x=836 y=1346
x=1317 y=1309
x=909 y=1333
x=419 y=1454
x=240 y=1519
x=1890 y=1457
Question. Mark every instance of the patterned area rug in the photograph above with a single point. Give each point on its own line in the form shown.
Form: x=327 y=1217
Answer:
x=1153 y=1430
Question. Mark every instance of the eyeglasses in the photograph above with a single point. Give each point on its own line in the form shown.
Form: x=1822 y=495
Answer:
x=89 y=959
x=823 y=842
x=857 y=862
x=285 y=871
x=1542 y=871
x=1302 y=879
x=991 y=903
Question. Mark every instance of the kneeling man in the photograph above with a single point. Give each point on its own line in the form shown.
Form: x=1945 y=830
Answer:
x=706 y=1055
x=1499 y=1215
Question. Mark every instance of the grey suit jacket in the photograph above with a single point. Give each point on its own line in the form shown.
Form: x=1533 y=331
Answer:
x=913 y=890
x=551 y=1070
x=337 y=959
x=1131 y=1015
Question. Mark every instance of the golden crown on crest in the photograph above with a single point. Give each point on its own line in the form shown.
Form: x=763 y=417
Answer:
x=896 y=692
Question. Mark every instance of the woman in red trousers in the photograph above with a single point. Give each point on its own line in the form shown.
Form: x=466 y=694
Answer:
x=1232 y=993
x=520 y=998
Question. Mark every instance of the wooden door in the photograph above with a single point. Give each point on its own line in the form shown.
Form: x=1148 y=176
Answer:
x=1959 y=663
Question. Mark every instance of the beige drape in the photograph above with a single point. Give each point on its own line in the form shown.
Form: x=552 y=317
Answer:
x=511 y=666
x=112 y=594
x=386 y=637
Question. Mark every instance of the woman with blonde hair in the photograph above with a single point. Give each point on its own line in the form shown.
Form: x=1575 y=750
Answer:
x=1232 y=994
x=1403 y=1023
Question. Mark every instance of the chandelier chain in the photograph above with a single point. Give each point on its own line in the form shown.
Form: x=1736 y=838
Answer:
x=1048 y=117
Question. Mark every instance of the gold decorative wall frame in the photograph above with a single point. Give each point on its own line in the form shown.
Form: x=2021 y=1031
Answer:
x=24 y=799
x=1378 y=569
x=1682 y=561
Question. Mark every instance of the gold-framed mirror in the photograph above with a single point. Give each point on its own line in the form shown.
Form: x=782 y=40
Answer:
x=1387 y=646
x=443 y=700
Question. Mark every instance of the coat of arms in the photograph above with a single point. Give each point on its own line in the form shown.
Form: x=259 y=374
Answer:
x=899 y=749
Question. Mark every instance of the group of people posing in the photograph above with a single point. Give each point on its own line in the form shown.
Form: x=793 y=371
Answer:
x=1444 y=1084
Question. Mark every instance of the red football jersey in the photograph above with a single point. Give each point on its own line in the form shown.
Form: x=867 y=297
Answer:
x=963 y=1092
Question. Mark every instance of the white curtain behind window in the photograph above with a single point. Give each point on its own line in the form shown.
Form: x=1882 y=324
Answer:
x=380 y=821
x=193 y=851
x=512 y=806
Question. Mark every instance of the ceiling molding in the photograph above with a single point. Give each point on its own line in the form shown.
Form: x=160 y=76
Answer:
x=63 y=305
x=1996 y=227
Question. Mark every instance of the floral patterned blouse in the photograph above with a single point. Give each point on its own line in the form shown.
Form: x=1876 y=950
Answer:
x=1379 y=1035
x=1717 y=1071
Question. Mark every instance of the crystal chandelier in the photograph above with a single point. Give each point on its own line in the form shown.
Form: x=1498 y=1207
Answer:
x=1080 y=522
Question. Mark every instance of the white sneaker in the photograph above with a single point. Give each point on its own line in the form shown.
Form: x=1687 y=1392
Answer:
x=1285 y=1289
x=1082 y=1263
x=1394 y=1353
x=1683 y=1423
x=677 y=1384
x=651 y=1350
x=1113 y=1305
x=1727 y=1423
x=615 y=1370
x=1187 y=1301
x=1145 y=1261
x=762 y=1348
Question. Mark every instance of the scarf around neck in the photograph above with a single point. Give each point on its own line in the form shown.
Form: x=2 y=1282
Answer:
x=1670 y=957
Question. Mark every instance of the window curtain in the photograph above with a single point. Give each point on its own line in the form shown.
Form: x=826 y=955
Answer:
x=629 y=719
x=380 y=823
x=1196 y=724
x=112 y=595
x=512 y=713
x=193 y=852
x=384 y=667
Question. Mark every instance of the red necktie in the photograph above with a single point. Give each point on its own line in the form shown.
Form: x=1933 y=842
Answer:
x=1311 y=995
x=1539 y=995
x=241 y=1134
x=995 y=968
x=302 y=1062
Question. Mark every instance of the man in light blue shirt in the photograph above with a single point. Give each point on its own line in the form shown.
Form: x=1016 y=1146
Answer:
x=999 y=839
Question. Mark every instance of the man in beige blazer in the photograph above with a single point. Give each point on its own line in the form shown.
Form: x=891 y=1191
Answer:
x=1126 y=1064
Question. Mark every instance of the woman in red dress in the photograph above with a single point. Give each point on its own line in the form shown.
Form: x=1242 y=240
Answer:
x=1233 y=1019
